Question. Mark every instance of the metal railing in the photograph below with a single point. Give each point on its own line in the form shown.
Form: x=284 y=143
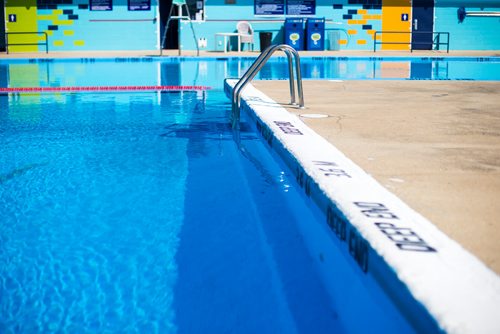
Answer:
x=483 y=13
x=7 y=44
x=255 y=68
x=436 y=41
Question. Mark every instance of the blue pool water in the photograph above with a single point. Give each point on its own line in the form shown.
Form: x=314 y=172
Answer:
x=142 y=212
x=139 y=213
x=211 y=71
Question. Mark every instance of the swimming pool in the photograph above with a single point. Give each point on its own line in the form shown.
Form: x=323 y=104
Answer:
x=210 y=71
x=138 y=213
x=144 y=212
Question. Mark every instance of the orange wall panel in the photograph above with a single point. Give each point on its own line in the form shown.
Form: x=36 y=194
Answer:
x=392 y=11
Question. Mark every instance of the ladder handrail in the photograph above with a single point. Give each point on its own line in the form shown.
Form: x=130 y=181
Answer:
x=411 y=43
x=7 y=44
x=256 y=67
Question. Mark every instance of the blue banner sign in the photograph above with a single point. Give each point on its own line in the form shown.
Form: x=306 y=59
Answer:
x=101 y=4
x=301 y=7
x=269 y=7
x=139 y=4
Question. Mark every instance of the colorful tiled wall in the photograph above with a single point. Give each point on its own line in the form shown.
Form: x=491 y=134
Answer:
x=351 y=24
x=361 y=18
x=71 y=25
x=355 y=22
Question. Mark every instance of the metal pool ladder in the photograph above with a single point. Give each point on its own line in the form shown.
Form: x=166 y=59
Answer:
x=255 y=68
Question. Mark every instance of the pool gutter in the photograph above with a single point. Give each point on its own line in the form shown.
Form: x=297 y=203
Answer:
x=435 y=283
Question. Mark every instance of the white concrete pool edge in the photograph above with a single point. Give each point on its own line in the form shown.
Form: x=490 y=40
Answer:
x=457 y=290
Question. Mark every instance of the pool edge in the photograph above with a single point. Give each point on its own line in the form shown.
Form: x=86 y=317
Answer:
x=458 y=291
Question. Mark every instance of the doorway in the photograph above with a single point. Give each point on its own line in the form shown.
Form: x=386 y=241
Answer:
x=172 y=38
x=422 y=24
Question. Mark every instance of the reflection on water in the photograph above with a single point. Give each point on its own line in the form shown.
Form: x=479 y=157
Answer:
x=212 y=71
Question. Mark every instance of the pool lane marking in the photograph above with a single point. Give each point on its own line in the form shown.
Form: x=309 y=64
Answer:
x=101 y=89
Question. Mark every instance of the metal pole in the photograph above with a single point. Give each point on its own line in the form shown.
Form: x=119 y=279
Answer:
x=179 y=14
x=192 y=30
x=291 y=77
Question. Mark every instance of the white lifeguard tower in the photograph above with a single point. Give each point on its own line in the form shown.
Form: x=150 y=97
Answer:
x=180 y=17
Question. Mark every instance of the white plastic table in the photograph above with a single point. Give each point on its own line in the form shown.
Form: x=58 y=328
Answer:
x=227 y=35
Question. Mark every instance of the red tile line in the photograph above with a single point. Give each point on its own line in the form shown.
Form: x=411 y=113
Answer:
x=101 y=88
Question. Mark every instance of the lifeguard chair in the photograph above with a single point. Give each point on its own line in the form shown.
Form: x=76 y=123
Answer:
x=180 y=17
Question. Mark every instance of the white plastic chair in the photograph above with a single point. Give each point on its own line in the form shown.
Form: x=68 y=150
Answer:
x=246 y=33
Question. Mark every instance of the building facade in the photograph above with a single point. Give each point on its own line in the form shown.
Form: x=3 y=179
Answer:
x=72 y=25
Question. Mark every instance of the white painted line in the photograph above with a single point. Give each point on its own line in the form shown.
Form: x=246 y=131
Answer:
x=395 y=179
x=314 y=116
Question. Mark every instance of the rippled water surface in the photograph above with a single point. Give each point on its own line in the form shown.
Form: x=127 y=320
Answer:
x=138 y=213
x=143 y=212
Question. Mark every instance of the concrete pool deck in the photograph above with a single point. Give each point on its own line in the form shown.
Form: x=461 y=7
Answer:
x=435 y=144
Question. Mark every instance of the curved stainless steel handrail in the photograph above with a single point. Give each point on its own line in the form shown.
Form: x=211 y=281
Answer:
x=255 y=68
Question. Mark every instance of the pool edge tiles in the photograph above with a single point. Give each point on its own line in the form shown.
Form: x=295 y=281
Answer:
x=385 y=238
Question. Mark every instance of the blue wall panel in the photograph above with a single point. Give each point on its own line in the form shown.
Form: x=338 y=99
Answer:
x=118 y=30
x=473 y=33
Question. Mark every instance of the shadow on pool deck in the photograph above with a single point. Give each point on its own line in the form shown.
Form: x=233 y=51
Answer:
x=434 y=144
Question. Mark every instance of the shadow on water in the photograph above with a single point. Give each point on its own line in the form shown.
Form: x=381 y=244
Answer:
x=242 y=264
x=207 y=130
x=19 y=171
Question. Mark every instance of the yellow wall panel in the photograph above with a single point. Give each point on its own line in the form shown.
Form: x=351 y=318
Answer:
x=356 y=21
x=68 y=32
x=47 y=17
x=25 y=11
x=372 y=17
x=343 y=41
x=63 y=22
x=392 y=11
x=352 y=32
x=361 y=41
x=79 y=43
x=57 y=12
x=58 y=43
